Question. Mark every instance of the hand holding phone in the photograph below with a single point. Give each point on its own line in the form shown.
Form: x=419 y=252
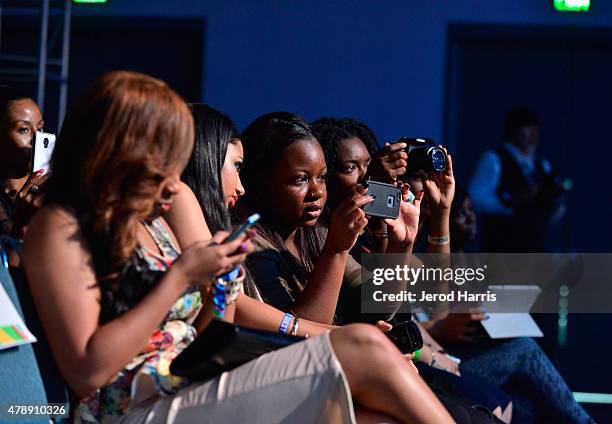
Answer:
x=387 y=200
x=247 y=225
x=42 y=150
x=406 y=336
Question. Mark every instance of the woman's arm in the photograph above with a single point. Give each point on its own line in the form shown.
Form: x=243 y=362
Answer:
x=187 y=219
x=440 y=190
x=64 y=287
x=319 y=299
x=65 y=290
x=255 y=314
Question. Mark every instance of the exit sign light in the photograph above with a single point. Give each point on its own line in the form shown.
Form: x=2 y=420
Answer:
x=573 y=5
x=90 y=1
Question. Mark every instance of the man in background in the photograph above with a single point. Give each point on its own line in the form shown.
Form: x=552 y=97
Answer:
x=516 y=190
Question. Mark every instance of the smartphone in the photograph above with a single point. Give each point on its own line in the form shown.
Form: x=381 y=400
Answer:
x=406 y=336
x=42 y=149
x=247 y=225
x=387 y=199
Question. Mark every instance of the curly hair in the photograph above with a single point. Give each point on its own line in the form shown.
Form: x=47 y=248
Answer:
x=329 y=133
x=361 y=131
x=123 y=137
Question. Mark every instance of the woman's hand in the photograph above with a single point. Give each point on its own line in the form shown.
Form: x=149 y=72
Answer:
x=201 y=262
x=385 y=327
x=442 y=361
x=347 y=223
x=403 y=230
x=390 y=163
x=440 y=187
x=459 y=327
x=27 y=201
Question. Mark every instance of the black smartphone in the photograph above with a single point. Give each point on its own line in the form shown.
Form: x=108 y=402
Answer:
x=406 y=336
x=387 y=199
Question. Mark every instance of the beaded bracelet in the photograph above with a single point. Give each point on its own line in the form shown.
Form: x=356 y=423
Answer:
x=226 y=289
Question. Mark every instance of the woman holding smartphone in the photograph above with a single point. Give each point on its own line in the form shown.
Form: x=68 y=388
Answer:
x=20 y=118
x=119 y=300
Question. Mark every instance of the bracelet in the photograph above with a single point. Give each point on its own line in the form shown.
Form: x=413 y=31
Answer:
x=439 y=241
x=226 y=289
x=417 y=355
x=284 y=327
x=234 y=286
x=218 y=293
x=296 y=325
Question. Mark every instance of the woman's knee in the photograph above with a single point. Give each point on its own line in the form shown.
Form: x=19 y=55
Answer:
x=362 y=338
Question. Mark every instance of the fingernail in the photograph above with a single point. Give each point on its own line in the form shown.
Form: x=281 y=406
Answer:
x=403 y=144
x=244 y=247
x=40 y=171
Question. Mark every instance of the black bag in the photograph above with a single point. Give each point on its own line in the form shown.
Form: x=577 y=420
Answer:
x=222 y=347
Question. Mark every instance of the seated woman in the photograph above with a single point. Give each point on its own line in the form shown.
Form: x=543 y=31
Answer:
x=349 y=161
x=118 y=300
x=298 y=265
x=520 y=366
x=213 y=174
x=20 y=118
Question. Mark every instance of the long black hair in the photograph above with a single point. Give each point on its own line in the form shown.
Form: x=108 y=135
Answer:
x=264 y=141
x=214 y=131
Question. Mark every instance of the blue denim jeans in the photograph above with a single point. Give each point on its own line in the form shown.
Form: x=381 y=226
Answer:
x=539 y=393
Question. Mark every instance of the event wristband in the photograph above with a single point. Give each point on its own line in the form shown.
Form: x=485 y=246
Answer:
x=438 y=241
x=284 y=327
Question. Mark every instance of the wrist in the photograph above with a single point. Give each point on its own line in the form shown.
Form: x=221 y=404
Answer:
x=400 y=246
x=440 y=213
x=178 y=276
x=330 y=250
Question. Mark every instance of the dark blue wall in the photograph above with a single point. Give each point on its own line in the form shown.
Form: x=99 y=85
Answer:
x=383 y=62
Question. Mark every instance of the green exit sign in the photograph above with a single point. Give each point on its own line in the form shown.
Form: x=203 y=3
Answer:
x=90 y=1
x=572 y=5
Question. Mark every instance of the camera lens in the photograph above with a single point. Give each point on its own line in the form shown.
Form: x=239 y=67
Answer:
x=438 y=159
x=45 y=142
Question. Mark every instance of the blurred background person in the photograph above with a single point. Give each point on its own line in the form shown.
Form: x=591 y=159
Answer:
x=516 y=189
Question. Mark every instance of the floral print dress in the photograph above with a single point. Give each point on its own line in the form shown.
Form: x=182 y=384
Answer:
x=151 y=367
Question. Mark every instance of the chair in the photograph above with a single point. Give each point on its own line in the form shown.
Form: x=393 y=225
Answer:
x=28 y=377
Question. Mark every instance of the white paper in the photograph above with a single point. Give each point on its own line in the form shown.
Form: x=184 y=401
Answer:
x=506 y=325
x=10 y=317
